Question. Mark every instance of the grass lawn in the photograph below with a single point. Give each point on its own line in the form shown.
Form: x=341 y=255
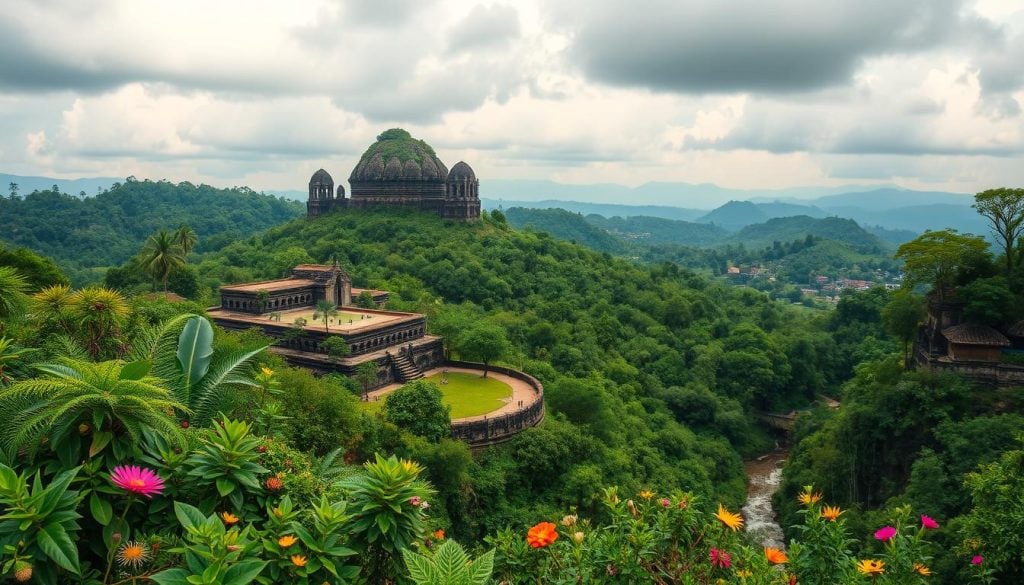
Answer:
x=467 y=394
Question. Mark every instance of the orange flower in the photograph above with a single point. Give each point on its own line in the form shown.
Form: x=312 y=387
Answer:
x=871 y=567
x=647 y=494
x=831 y=513
x=734 y=521
x=808 y=496
x=439 y=534
x=922 y=570
x=228 y=518
x=775 y=556
x=299 y=560
x=286 y=541
x=274 y=484
x=542 y=535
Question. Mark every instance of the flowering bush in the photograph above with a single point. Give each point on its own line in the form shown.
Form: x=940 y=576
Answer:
x=680 y=539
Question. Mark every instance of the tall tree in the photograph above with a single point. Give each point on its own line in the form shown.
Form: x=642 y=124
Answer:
x=162 y=255
x=325 y=310
x=186 y=239
x=366 y=375
x=901 y=316
x=14 y=190
x=1004 y=209
x=938 y=258
x=485 y=343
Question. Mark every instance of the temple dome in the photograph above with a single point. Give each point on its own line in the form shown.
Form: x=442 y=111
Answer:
x=397 y=156
x=321 y=177
x=461 y=171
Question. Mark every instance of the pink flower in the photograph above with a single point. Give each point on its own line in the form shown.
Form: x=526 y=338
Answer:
x=977 y=560
x=885 y=533
x=138 y=480
x=929 y=523
x=720 y=558
x=415 y=500
x=665 y=503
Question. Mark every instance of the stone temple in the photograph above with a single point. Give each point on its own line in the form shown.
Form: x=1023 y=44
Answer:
x=400 y=171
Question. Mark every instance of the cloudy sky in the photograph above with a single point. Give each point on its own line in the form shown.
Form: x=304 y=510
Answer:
x=742 y=93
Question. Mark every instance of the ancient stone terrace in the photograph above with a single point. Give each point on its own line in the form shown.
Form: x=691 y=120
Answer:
x=396 y=342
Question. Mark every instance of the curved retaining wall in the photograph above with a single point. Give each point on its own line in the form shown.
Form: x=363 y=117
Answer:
x=489 y=431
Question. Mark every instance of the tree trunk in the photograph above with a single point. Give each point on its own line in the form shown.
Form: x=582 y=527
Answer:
x=485 y=369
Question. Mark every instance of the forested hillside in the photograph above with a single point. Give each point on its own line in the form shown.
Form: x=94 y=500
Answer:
x=105 y=230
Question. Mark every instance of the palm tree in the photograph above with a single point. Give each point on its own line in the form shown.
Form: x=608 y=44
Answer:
x=161 y=256
x=325 y=310
x=186 y=239
x=12 y=293
x=97 y=315
x=113 y=399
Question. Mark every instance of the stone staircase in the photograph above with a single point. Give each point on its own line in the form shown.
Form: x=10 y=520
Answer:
x=407 y=369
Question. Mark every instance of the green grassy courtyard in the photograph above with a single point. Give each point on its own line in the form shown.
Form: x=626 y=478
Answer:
x=467 y=394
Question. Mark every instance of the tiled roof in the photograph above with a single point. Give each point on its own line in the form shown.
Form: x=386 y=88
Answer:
x=967 y=334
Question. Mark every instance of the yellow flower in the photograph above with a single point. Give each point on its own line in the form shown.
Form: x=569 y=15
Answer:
x=734 y=521
x=647 y=494
x=278 y=512
x=871 y=567
x=229 y=518
x=578 y=537
x=266 y=371
x=299 y=560
x=808 y=496
x=133 y=555
x=831 y=513
x=744 y=573
x=286 y=541
x=922 y=570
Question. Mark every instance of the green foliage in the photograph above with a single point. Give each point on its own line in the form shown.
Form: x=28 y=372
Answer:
x=1004 y=209
x=397 y=142
x=38 y=271
x=449 y=565
x=108 y=229
x=161 y=255
x=226 y=461
x=365 y=300
x=323 y=414
x=214 y=554
x=995 y=526
x=387 y=501
x=483 y=342
x=116 y=403
x=12 y=294
x=941 y=258
x=39 y=525
x=335 y=346
x=990 y=301
x=901 y=317
x=419 y=408
x=325 y=311
x=199 y=376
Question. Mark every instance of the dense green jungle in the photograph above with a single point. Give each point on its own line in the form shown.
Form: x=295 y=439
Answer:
x=654 y=374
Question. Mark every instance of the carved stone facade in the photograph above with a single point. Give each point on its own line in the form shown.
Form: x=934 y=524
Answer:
x=307 y=285
x=400 y=171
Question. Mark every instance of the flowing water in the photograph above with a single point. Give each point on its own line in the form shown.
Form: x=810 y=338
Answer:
x=764 y=475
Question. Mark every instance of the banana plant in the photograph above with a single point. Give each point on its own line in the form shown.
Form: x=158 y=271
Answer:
x=182 y=353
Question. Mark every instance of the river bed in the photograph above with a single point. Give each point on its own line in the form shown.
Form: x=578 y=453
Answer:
x=764 y=475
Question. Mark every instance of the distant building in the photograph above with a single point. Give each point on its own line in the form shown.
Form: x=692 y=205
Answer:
x=400 y=171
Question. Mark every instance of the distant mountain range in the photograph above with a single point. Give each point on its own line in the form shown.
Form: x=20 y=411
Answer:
x=887 y=207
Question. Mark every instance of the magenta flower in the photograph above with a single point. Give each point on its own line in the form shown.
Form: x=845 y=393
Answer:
x=415 y=500
x=665 y=503
x=720 y=558
x=929 y=523
x=137 y=480
x=885 y=533
x=977 y=560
